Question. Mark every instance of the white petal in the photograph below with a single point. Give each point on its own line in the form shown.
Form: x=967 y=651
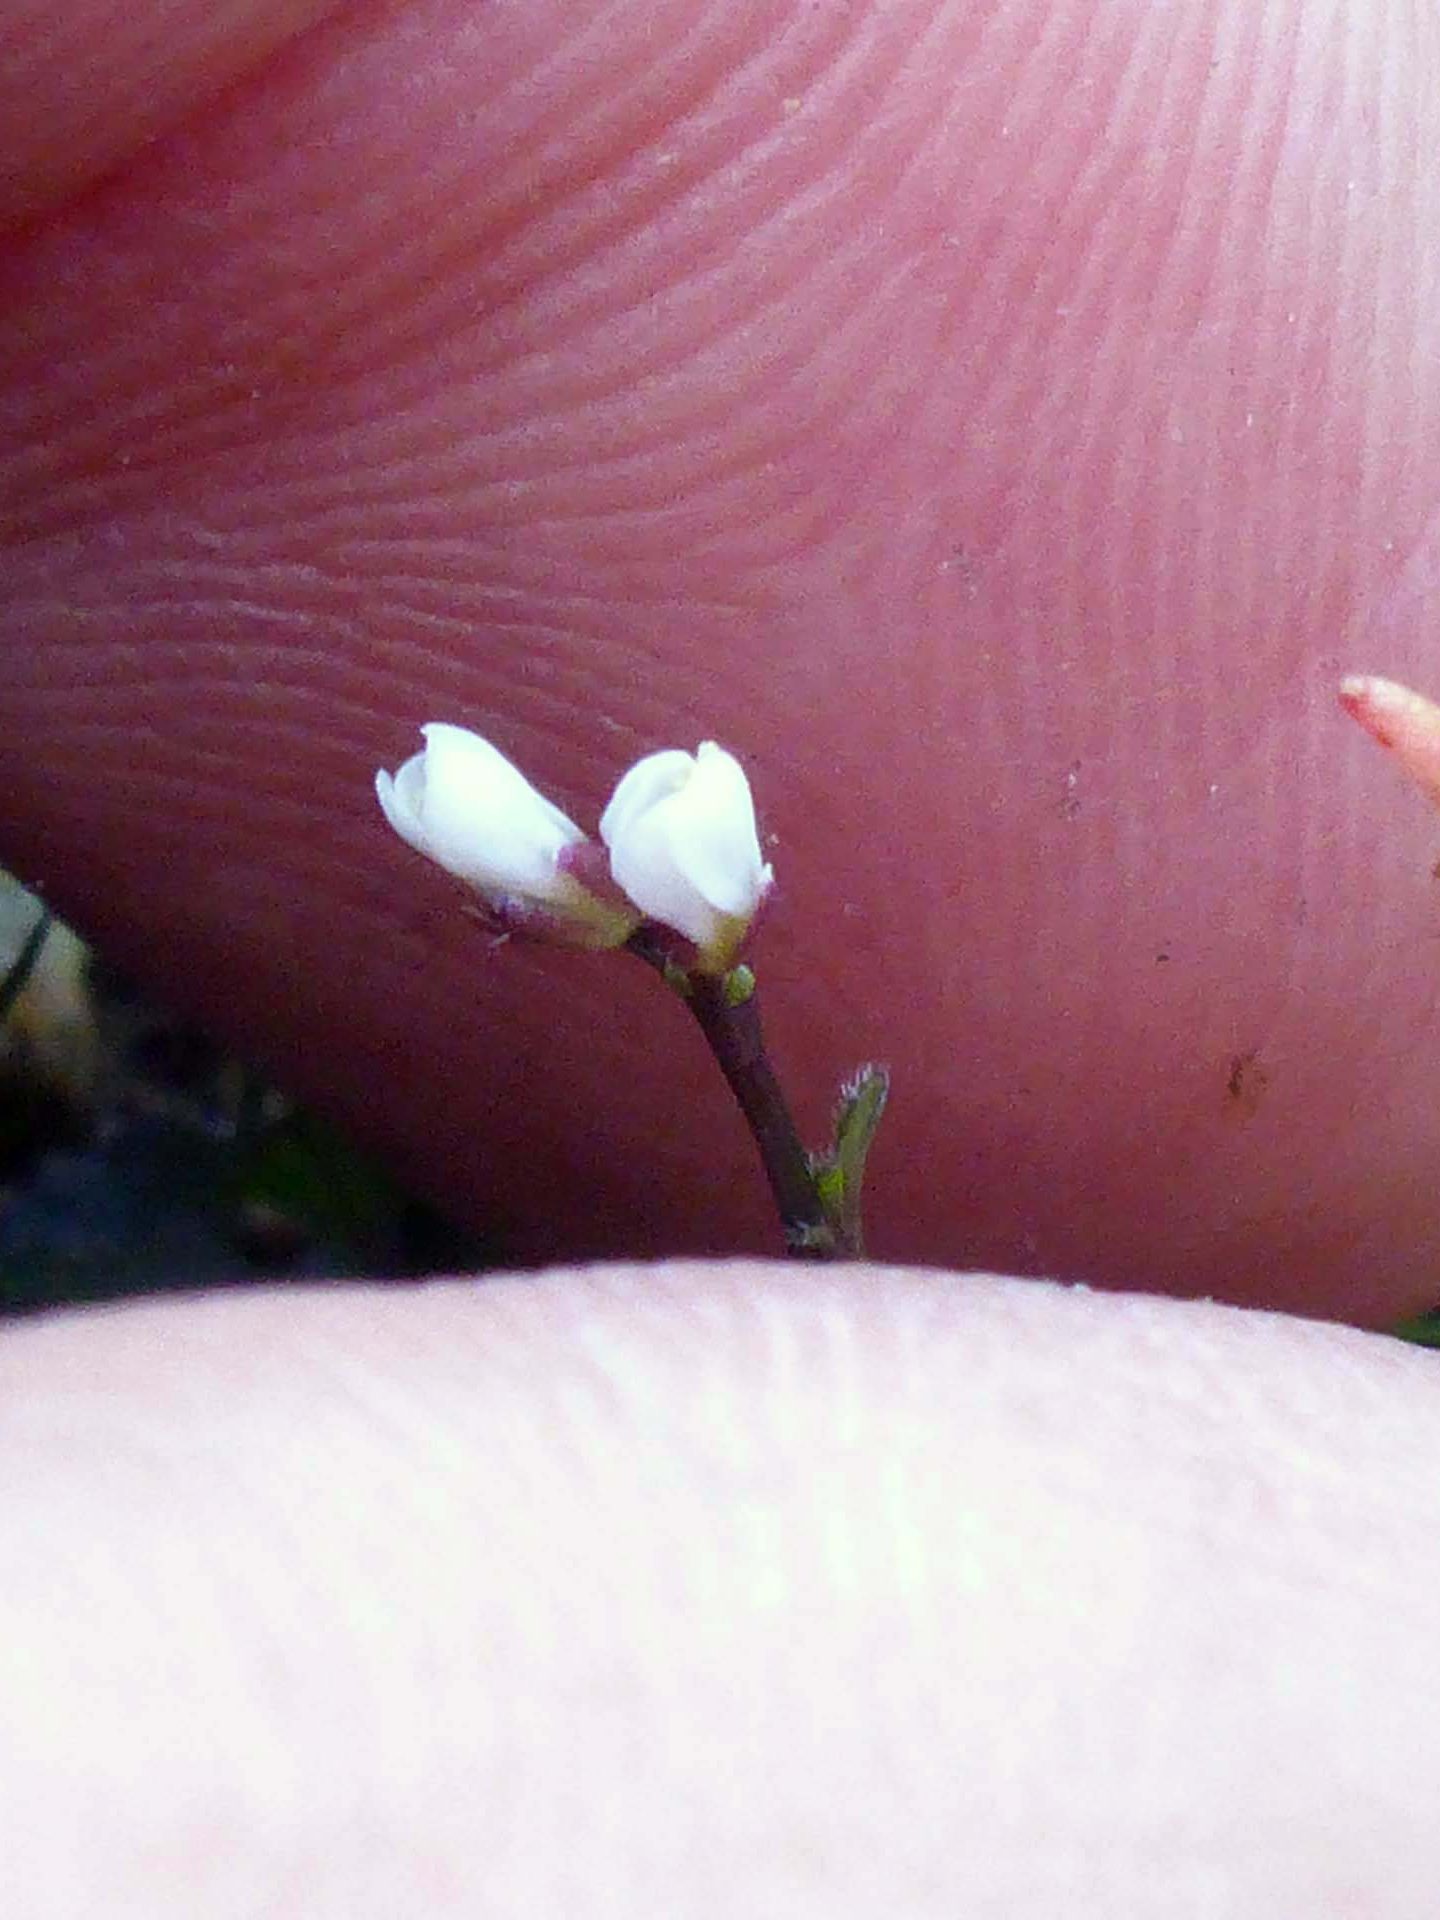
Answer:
x=644 y=866
x=479 y=804
x=650 y=780
x=397 y=808
x=683 y=845
x=474 y=813
x=712 y=830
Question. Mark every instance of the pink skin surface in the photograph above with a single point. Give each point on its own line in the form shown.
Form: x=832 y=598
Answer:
x=1000 y=424
x=716 y=1592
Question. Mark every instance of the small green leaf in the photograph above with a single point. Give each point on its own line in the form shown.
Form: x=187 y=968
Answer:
x=829 y=1181
x=739 y=985
x=840 y=1174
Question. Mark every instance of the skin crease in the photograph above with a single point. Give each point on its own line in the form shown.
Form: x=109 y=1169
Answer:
x=1002 y=425
x=82 y=86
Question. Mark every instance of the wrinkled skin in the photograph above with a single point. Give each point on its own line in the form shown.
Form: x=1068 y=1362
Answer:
x=1001 y=423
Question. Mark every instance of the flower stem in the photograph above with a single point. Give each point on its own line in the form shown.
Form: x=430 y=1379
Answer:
x=726 y=1009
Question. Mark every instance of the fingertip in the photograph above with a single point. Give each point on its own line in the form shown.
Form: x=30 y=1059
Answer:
x=1401 y=720
x=85 y=83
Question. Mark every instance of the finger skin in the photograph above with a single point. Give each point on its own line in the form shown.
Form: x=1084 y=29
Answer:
x=702 y=1591
x=999 y=424
x=84 y=84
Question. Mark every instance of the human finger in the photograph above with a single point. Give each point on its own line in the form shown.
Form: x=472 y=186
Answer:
x=703 y=1590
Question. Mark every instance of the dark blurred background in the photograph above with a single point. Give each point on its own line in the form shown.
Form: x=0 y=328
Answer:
x=136 y=1155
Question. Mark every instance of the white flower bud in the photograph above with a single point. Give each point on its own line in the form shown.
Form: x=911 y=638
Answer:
x=463 y=805
x=681 y=832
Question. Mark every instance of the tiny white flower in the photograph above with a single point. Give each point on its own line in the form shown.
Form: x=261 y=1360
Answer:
x=681 y=832
x=463 y=805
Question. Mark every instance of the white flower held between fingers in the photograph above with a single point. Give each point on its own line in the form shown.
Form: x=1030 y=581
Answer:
x=466 y=807
x=681 y=833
